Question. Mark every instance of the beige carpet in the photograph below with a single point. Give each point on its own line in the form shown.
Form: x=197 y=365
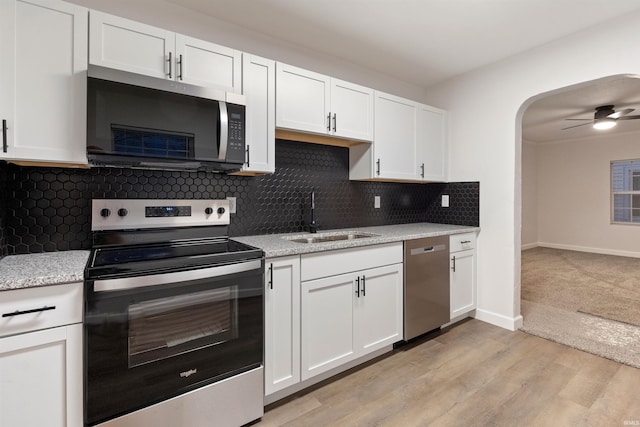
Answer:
x=601 y=285
x=587 y=301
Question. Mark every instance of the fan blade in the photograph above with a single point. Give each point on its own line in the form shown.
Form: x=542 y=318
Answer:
x=580 y=119
x=628 y=118
x=581 y=124
x=619 y=114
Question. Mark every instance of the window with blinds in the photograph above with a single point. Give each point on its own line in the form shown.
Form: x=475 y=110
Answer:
x=625 y=191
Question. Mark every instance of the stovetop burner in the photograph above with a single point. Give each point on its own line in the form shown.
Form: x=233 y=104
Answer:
x=137 y=236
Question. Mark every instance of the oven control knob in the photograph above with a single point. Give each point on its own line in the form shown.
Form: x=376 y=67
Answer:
x=104 y=212
x=122 y=212
x=221 y=211
x=208 y=211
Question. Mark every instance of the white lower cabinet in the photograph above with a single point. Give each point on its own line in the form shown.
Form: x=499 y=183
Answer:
x=349 y=315
x=282 y=323
x=463 y=274
x=328 y=324
x=328 y=311
x=41 y=370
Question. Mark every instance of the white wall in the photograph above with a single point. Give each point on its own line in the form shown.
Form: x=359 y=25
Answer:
x=529 y=194
x=486 y=109
x=175 y=18
x=574 y=195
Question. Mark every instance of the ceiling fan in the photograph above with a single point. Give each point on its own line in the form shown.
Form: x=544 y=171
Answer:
x=606 y=117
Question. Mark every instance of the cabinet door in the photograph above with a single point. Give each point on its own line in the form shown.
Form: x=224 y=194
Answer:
x=327 y=334
x=43 y=80
x=463 y=282
x=351 y=110
x=202 y=63
x=395 y=138
x=379 y=308
x=282 y=323
x=432 y=144
x=303 y=99
x=258 y=86
x=127 y=45
x=41 y=378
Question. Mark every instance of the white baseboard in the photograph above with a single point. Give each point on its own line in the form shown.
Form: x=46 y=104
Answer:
x=510 y=323
x=529 y=246
x=602 y=251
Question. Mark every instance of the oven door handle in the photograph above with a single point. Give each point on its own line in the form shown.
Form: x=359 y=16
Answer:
x=125 y=283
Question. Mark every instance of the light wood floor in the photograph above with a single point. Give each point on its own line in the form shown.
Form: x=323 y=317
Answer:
x=473 y=374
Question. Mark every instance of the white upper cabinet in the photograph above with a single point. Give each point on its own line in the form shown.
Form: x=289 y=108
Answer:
x=207 y=64
x=302 y=99
x=127 y=45
x=410 y=143
x=43 y=81
x=312 y=102
x=258 y=86
x=432 y=143
x=351 y=110
x=395 y=144
x=392 y=156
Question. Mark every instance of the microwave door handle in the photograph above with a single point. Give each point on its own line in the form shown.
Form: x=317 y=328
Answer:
x=224 y=131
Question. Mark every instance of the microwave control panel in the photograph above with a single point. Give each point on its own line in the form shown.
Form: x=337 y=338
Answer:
x=236 y=145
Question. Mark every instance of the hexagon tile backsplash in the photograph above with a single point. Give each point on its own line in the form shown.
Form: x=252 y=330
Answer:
x=49 y=209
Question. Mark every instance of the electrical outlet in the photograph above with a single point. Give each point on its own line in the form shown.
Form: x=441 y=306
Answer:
x=232 y=204
x=376 y=202
x=445 y=200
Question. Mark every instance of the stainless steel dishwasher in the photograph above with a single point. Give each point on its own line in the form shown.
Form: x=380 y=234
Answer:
x=426 y=285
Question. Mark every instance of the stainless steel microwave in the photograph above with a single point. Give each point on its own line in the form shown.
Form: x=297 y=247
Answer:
x=137 y=121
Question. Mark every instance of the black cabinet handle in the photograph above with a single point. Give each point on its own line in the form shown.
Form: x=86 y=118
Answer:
x=363 y=286
x=169 y=61
x=378 y=167
x=271 y=276
x=329 y=121
x=454 y=263
x=180 y=66
x=358 y=286
x=334 y=122
x=248 y=156
x=4 y=136
x=35 y=310
x=422 y=173
x=465 y=241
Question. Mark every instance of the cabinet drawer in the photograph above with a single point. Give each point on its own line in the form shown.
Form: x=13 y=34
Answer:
x=461 y=242
x=331 y=263
x=26 y=310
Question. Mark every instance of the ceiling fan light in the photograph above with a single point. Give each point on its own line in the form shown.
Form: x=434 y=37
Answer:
x=604 y=124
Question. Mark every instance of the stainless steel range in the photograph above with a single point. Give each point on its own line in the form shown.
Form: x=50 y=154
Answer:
x=173 y=317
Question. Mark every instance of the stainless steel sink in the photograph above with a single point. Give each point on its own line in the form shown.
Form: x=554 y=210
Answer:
x=329 y=237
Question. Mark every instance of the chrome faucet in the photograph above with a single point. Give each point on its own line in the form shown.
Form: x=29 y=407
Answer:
x=313 y=225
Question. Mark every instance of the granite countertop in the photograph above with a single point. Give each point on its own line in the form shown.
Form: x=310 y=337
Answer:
x=275 y=245
x=55 y=268
x=49 y=268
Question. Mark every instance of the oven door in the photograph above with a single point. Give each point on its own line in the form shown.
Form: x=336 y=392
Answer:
x=152 y=337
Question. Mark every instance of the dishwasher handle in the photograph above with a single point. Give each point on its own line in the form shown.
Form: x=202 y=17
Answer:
x=428 y=249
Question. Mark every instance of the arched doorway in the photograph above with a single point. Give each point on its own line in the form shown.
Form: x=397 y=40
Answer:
x=575 y=261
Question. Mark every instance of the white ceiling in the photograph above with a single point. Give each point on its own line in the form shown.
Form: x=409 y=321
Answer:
x=423 y=42
x=544 y=120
